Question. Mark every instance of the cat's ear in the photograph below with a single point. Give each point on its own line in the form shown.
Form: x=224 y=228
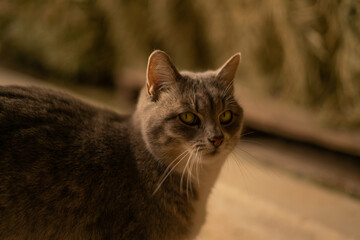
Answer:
x=161 y=72
x=227 y=72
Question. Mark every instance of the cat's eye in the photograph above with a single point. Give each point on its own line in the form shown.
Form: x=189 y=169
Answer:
x=189 y=118
x=226 y=117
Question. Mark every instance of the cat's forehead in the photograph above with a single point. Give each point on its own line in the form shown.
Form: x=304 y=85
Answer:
x=200 y=82
x=202 y=91
x=203 y=83
x=199 y=75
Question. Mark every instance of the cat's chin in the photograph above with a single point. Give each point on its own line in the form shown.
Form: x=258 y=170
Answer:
x=214 y=152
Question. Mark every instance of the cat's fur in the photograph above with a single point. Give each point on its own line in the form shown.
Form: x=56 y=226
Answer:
x=69 y=170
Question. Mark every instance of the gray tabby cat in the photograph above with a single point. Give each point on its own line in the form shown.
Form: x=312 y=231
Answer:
x=69 y=170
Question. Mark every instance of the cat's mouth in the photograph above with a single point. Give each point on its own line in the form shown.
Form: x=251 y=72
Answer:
x=204 y=149
x=212 y=151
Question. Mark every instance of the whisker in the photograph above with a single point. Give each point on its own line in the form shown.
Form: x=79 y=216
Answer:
x=247 y=133
x=243 y=168
x=244 y=175
x=173 y=162
x=238 y=148
x=189 y=175
x=197 y=158
x=258 y=166
x=188 y=180
x=191 y=168
x=239 y=160
x=182 y=175
x=252 y=142
x=167 y=172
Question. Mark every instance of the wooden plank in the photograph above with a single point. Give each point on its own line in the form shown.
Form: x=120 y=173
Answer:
x=289 y=121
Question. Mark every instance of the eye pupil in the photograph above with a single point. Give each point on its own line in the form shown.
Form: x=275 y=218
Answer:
x=226 y=117
x=189 y=118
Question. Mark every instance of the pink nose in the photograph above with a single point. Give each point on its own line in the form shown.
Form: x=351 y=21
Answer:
x=216 y=141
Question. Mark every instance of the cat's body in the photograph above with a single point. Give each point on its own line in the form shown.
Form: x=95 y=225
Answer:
x=45 y=192
x=69 y=170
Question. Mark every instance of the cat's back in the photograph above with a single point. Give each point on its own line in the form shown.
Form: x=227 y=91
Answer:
x=44 y=121
x=30 y=106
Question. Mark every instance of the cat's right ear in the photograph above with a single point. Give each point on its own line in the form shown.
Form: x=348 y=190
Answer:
x=228 y=71
x=161 y=72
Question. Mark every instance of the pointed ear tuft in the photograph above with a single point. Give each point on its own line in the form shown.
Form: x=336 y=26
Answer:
x=227 y=72
x=160 y=73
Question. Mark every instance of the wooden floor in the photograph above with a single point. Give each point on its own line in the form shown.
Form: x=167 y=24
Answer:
x=256 y=201
x=253 y=201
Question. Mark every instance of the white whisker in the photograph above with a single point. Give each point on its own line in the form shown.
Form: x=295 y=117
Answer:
x=183 y=172
x=187 y=167
x=252 y=162
x=197 y=158
x=192 y=168
x=167 y=172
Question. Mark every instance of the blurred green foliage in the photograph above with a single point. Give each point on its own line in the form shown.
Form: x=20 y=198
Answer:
x=303 y=51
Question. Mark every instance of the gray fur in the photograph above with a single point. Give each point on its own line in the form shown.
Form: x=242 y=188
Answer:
x=69 y=170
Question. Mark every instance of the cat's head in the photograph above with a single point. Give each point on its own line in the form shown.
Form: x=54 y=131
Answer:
x=184 y=113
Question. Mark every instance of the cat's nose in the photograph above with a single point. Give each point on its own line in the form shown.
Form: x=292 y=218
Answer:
x=216 y=141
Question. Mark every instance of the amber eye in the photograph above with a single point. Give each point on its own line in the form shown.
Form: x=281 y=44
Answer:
x=189 y=118
x=225 y=117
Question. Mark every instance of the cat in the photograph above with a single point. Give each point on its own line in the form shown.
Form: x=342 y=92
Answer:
x=70 y=170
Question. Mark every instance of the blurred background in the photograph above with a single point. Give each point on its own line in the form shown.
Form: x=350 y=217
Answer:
x=305 y=52
x=299 y=80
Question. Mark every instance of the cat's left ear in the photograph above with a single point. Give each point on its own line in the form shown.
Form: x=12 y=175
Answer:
x=161 y=73
x=227 y=72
